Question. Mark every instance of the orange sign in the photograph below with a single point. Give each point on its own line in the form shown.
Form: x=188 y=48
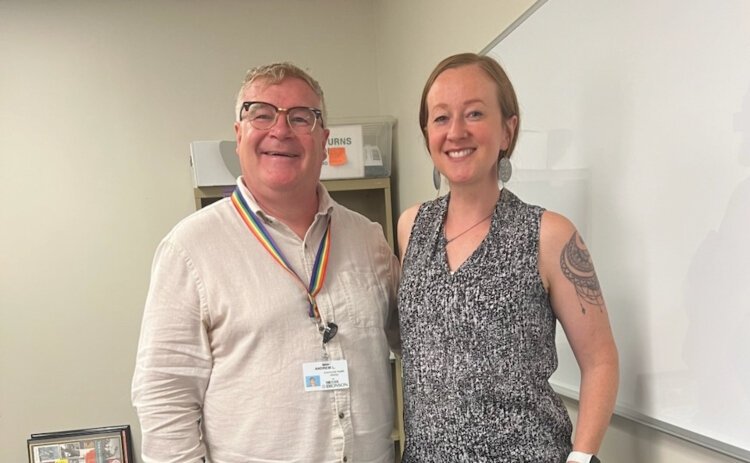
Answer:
x=336 y=156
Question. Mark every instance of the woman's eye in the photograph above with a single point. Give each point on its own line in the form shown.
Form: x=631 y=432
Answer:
x=440 y=119
x=473 y=115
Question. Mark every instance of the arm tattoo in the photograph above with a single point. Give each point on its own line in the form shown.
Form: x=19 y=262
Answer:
x=576 y=265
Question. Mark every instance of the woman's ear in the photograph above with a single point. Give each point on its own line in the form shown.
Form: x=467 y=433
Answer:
x=510 y=125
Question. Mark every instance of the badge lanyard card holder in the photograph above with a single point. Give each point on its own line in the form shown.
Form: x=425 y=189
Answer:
x=317 y=376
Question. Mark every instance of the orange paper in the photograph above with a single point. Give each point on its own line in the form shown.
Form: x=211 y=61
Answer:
x=336 y=156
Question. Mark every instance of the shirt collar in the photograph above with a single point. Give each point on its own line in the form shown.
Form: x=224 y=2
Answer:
x=325 y=202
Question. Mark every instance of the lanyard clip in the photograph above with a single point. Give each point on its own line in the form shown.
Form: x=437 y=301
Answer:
x=329 y=332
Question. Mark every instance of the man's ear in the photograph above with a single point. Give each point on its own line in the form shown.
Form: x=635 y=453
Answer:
x=238 y=135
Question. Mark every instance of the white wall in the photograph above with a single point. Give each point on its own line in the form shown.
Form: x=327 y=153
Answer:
x=412 y=37
x=617 y=151
x=98 y=102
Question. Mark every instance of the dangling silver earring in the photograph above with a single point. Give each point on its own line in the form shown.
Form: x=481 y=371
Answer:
x=436 y=178
x=504 y=169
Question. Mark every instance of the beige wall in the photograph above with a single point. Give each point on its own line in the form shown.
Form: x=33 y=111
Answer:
x=98 y=102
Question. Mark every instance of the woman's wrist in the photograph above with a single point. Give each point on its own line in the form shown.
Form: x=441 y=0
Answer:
x=582 y=457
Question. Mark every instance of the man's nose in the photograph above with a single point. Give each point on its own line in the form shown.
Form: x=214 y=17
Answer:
x=281 y=128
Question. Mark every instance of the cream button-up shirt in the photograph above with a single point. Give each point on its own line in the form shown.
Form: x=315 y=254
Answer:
x=226 y=331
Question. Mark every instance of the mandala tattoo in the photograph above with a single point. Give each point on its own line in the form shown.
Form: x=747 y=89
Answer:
x=576 y=265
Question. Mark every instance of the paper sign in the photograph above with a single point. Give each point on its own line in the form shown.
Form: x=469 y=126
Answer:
x=345 y=153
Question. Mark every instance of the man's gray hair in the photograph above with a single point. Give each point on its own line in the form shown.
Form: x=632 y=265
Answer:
x=275 y=73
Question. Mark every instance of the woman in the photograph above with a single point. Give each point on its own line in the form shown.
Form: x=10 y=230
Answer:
x=485 y=277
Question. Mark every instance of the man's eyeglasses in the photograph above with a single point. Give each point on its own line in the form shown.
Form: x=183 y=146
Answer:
x=263 y=116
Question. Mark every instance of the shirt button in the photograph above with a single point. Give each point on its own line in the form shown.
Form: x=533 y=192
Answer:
x=320 y=328
x=344 y=458
x=341 y=415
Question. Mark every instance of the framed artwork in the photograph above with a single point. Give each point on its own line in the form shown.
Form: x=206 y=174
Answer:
x=110 y=444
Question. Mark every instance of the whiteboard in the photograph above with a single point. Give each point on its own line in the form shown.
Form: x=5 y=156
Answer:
x=635 y=124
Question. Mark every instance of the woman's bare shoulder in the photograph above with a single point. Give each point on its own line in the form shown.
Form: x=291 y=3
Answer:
x=405 y=224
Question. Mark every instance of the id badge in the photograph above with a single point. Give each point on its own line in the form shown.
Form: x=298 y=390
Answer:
x=325 y=376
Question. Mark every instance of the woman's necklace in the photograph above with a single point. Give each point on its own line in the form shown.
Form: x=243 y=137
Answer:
x=448 y=241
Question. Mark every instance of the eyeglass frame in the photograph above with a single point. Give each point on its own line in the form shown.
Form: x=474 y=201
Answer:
x=317 y=112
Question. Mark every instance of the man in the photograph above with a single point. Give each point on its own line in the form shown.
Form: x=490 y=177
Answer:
x=254 y=293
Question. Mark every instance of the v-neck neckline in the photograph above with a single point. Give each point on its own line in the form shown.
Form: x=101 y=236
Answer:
x=482 y=244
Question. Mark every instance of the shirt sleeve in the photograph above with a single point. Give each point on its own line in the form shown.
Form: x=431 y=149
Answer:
x=174 y=361
x=393 y=276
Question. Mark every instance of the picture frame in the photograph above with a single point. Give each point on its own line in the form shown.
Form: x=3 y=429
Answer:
x=108 y=444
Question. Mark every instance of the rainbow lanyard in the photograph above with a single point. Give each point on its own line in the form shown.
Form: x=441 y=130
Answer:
x=321 y=259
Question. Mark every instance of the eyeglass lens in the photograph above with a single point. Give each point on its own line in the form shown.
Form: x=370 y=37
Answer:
x=263 y=116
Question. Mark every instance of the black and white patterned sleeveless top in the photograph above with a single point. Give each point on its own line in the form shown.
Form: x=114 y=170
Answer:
x=479 y=345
